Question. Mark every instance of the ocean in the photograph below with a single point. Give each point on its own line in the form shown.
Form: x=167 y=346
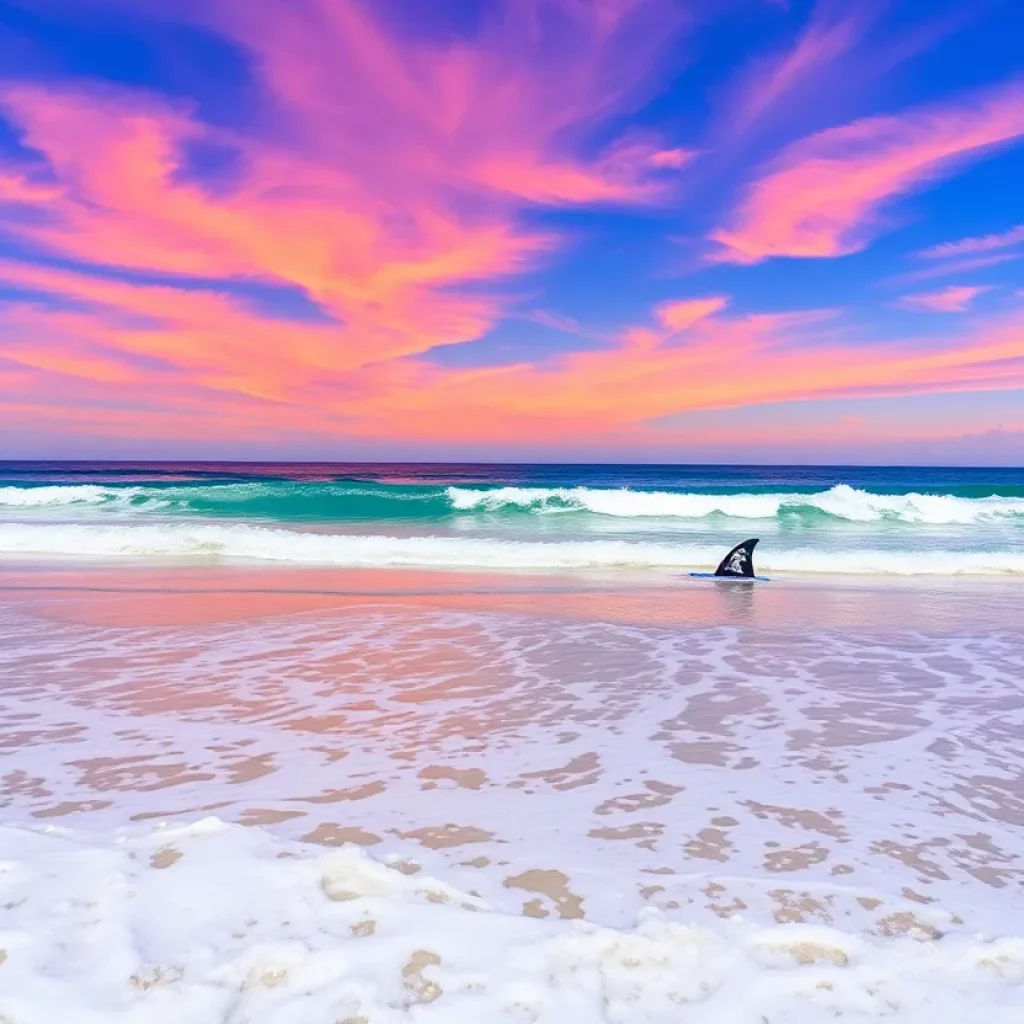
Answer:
x=377 y=744
x=847 y=520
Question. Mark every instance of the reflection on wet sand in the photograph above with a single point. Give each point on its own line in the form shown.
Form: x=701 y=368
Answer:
x=138 y=596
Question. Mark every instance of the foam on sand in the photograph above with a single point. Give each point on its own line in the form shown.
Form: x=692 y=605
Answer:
x=213 y=923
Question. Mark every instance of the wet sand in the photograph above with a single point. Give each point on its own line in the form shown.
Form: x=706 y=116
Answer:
x=134 y=595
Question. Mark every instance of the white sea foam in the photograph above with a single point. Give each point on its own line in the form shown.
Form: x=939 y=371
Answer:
x=213 y=923
x=178 y=540
x=841 y=501
x=57 y=494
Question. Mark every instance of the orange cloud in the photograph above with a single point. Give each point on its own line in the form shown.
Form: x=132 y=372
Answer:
x=620 y=395
x=954 y=299
x=72 y=361
x=822 y=195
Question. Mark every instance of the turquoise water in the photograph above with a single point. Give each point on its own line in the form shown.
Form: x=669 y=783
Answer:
x=906 y=521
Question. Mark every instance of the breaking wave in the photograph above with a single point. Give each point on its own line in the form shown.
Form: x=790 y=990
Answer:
x=290 y=501
x=242 y=541
x=56 y=494
x=840 y=502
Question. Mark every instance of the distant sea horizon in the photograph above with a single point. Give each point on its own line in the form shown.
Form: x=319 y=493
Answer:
x=254 y=461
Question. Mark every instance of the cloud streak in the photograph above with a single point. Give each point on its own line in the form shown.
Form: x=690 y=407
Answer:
x=971 y=246
x=824 y=195
x=954 y=299
x=828 y=37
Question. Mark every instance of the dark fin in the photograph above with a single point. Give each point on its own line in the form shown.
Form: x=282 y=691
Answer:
x=739 y=561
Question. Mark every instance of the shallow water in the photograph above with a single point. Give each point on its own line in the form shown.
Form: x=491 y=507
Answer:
x=653 y=758
x=802 y=757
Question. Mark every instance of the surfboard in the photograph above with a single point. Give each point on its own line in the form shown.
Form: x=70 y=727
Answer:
x=728 y=579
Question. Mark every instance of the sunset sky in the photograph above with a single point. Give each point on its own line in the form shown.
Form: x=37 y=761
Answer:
x=587 y=230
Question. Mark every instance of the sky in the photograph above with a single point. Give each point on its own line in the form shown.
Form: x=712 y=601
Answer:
x=548 y=230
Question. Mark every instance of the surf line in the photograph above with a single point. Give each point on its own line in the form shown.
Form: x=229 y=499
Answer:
x=737 y=565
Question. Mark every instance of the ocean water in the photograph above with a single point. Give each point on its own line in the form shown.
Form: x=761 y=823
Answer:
x=377 y=745
x=846 y=520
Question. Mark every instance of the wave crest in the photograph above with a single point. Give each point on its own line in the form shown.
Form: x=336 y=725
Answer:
x=255 y=543
x=840 y=502
x=60 y=494
x=343 y=501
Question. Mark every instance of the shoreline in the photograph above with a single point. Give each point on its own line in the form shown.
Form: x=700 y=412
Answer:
x=132 y=594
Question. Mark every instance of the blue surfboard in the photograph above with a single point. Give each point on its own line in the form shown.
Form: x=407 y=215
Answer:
x=734 y=579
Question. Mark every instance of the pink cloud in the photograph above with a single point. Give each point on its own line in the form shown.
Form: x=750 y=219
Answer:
x=16 y=188
x=671 y=159
x=387 y=279
x=378 y=210
x=954 y=299
x=968 y=246
x=673 y=318
x=822 y=196
x=565 y=184
x=630 y=171
x=504 y=111
x=679 y=316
